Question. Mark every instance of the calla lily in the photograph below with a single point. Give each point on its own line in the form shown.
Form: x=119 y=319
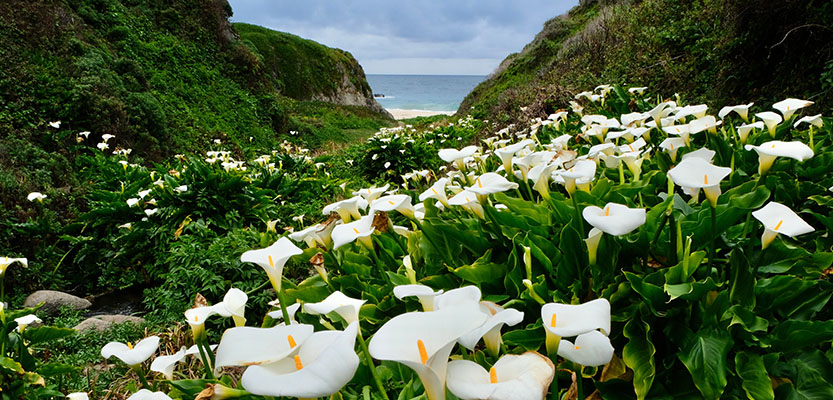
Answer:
x=456 y=156
x=246 y=345
x=615 y=219
x=348 y=208
x=771 y=120
x=567 y=320
x=424 y=340
x=129 y=354
x=703 y=153
x=272 y=259
x=235 y=303
x=671 y=145
x=348 y=233
x=632 y=160
x=602 y=148
x=398 y=202
x=36 y=196
x=490 y=330
x=26 y=320
x=560 y=143
x=592 y=243
x=5 y=262
x=197 y=316
x=744 y=130
x=455 y=297
x=633 y=147
x=325 y=362
x=165 y=364
x=582 y=171
x=591 y=349
x=436 y=191
x=778 y=218
x=372 y=193
x=633 y=119
x=424 y=293
x=698 y=111
x=637 y=90
x=814 y=120
x=658 y=112
x=513 y=377
x=507 y=153
x=309 y=236
x=683 y=131
x=707 y=123
x=468 y=200
x=194 y=350
x=78 y=396
x=344 y=306
x=769 y=151
x=490 y=183
x=291 y=310
x=696 y=173
x=540 y=176
x=144 y=394
x=741 y=109
x=789 y=106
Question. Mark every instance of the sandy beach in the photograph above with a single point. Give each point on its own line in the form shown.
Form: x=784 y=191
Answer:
x=405 y=114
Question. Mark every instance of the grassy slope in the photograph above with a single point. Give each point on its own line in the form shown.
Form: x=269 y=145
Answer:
x=164 y=77
x=725 y=50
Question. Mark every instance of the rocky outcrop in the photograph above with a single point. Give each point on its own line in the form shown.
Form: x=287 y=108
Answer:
x=349 y=95
x=103 y=322
x=53 y=301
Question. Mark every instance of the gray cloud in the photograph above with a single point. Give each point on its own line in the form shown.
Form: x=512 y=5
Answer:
x=446 y=36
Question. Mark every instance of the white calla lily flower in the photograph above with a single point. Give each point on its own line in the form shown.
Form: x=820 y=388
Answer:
x=194 y=350
x=5 y=262
x=778 y=218
x=436 y=191
x=129 y=354
x=708 y=123
x=745 y=129
x=582 y=172
x=568 y=320
x=26 y=320
x=703 y=153
x=348 y=209
x=345 y=306
x=513 y=377
x=771 y=120
x=291 y=310
x=614 y=219
x=325 y=362
x=235 y=303
x=360 y=229
x=683 y=131
x=591 y=349
x=165 y=364
x=272 y=259
x=246 y=345
x=490 y=330
x=468 y=200
x=144 y=394
x=456 y=156
x=398 y=202
x=789 y=106
x=36 y=196
x=672 y=145
x=695 y=173
x=78 y=396
x=769 y=151
x=372 y=193
x=698 y=111
x=490 y=183
x=465 y=295
x=424 y=340
x=814 y=120
x=742 y=110
x=424 y=293
x=507 y=153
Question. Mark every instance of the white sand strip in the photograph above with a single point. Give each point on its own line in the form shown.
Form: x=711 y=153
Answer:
x=405 y=114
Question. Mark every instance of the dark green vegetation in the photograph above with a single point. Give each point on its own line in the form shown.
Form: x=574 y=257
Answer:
x=164 y=77
x=723 y=51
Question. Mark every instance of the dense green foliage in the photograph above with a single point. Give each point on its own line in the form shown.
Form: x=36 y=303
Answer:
x=721 y=51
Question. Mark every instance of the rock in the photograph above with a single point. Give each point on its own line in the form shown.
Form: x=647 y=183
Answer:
x=103 y=322
x=54 y=300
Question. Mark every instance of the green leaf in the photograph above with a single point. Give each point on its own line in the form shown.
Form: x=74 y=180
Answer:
x=191 y=386
x=745 y=318
x=691 y=291
x=530 y=339
x=43 y=334
x=10 y=366
x=704 y=355
x=792 y=334
x=638 y=355
x=482 y=270
x=653 y=294
x=53 y=369
x=753 y=375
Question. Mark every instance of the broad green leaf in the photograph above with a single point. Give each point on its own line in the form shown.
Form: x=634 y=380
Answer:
x=190 y=386
x=653 y=294
x=691 y=291
x=738 y=315
x=753 y=375
x=10 y=366
x=483 y=270
x=638 y=355
x=808 y=384
x=43 y=334
x=704 y=355
x=792 y=334
x=530 y=339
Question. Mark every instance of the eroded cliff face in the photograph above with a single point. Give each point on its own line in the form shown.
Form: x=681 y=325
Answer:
x=306 y=70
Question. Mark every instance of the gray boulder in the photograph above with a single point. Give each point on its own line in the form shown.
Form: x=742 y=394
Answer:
x=54 y=300
x=103 y=322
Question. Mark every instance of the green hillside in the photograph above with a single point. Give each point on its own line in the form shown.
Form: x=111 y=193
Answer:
x=726 y=51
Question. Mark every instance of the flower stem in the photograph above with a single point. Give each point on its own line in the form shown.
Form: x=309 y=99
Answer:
x=284 y=306
x=579 y=386
x=371 y=366
x=711 y=242
x=208 y=373
x=379 y=265
x=138 y=369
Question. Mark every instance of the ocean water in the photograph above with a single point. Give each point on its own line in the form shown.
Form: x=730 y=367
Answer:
x=423 y=92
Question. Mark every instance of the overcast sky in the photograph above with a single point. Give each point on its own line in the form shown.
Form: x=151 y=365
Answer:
x=465 y=37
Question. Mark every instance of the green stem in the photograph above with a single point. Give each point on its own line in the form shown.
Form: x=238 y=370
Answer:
x=138 y=370
x=439 y=249
x=578 y=214
x=284 y=306
x=208 y=372
x=371 y=366
x=621 y=174
x=579 y=386
x=2 y=288
x=711 y=242
x=379 y=265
